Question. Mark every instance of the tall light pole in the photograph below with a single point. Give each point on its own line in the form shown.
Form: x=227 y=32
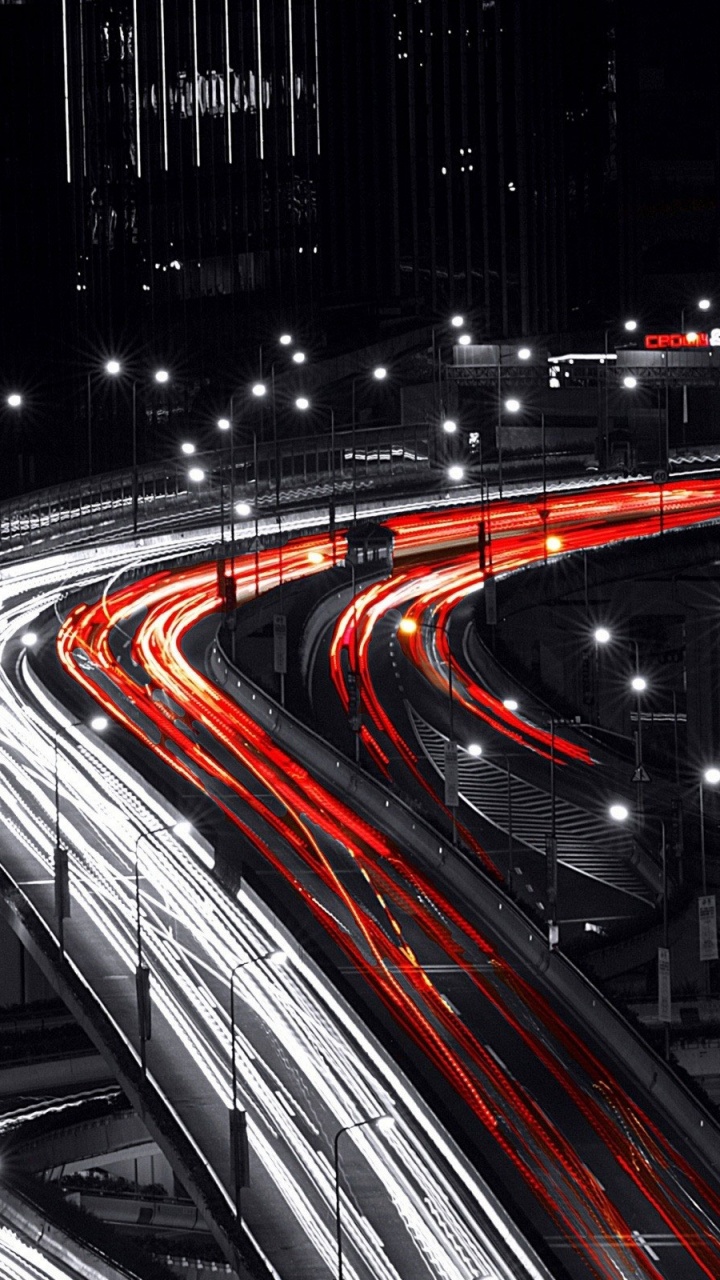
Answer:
x=60 y=858
x=408 y=627
x=238 y=1119
x=638 y=684
x=707 y=914
x=379 y=373
x=619 y=813
x=384 y=1122
x=142 y=971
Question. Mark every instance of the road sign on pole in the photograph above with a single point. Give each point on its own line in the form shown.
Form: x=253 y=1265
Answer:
x=452 y=795
x=707 y=927
x=641 y=774
x=664 y=999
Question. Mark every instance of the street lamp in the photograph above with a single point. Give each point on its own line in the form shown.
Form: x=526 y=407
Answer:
x=238 y=1119
x=385 y=1123
x=187 y=447
x=299 y=357
x=302 y=403
x=629 y=382
x=707 y=914
x=620 y=813
x=630 y=326
x=457 y=322
x=61 y=878
x=409 y=626
x=142 y=972
x=456 y=473
x=449 y=426
x=196 y=474
x=15 y=400
x=285 y=340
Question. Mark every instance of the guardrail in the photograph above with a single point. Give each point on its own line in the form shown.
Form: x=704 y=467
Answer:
x=263 y=473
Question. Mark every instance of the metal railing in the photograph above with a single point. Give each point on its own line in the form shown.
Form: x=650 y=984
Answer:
x=307 y=467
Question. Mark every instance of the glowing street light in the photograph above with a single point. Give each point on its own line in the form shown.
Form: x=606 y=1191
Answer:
x=619 y=812
x=631 y=325
x=457 y=322
x=259 y=389
x=29 y=639
x=474 y=749
x=14 y=400
x=512 y=405
x=299 y=357
x=302 y=403
x=511 y=704
x=196 y=474
x=243 y=509
x=456 y=472
x=524 y=353
x=704 y=304
x=187 y=447
x=162 y=376
x=629 y=381
x=285 y=340
x=380 y=373
x=601 y=635
x=113 y=367
x=638 y=683
x=464 y=339
x=449 y=426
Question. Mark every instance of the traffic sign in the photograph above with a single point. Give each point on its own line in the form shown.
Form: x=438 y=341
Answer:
x=641 y=774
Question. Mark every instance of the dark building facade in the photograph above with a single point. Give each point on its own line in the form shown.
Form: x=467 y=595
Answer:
x=509 y=184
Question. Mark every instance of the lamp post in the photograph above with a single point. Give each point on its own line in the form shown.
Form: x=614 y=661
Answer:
x=524 y=353
x=703 y=304
x=639 y=684
x=619 y=813
x=379 y=373
x=475 y=750
x=60 y=857
x=408 y=627
x=142 y=972
x=383 y=1122
x=238 y=1119
x=707 y=915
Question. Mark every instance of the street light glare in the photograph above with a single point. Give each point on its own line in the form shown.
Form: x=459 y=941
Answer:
x=629 y=381
x=302 y=402
x=182 y=828
x=619 y=812
x=638 y=683
x=602 y=635
x=631 y=325
x=259 y=389
x=223 y=424
x=553 y=543
x=113 y=367
x=449 y=426
x=28 y=639
x=457 y=322
x=162 y=375
x=456 y=472
x=464 y=339
x=187 y=447
x=512 y=405
x=14 y=400
x=407 y=627
x=243 y=509
x=524 y=353
x=704 y=304
x=285 y=339
x=511 y=704
x=196 y=474
x=380 y=373
x=474 y=749
x=99 y=724
x=712 y=776
x=299 y=357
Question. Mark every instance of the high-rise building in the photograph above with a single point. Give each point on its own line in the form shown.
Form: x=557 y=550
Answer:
x=505 y=113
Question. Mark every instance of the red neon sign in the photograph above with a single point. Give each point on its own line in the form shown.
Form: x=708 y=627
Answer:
x=659 y=341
